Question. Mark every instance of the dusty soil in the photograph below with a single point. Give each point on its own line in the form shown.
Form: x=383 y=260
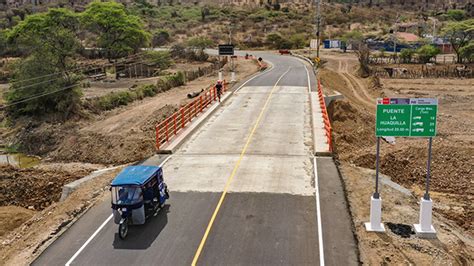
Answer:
x=400 y=211
x=11 y=217
x=22 y=245
x=353 y=122
x=33 y=188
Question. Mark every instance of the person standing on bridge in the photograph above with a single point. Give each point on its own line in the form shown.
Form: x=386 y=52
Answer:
x=219 y=86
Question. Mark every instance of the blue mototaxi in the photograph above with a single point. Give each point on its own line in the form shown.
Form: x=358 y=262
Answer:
x=138 y=192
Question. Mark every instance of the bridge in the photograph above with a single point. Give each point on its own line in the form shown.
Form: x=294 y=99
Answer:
x=246 y=188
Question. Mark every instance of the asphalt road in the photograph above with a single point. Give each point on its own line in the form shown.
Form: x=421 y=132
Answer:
x=242 y=191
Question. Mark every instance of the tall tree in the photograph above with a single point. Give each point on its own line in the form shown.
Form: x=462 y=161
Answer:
x=118 y=32
x=43 y=82
x=54 y=32
x=459 y=34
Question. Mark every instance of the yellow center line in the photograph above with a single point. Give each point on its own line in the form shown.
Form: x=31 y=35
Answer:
x=231 y=177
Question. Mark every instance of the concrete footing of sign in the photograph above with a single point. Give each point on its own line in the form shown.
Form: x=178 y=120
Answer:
x=425 y=229
x=232 y=77
x=219 y=75
x=375 y=224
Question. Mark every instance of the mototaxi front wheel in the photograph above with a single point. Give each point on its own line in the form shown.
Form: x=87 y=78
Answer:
x=123 y=229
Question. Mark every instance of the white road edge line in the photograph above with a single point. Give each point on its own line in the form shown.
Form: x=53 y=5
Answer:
x=318 y=204
x=318 y=213
x=309 y=80
x=258 y=75
x=99 y=229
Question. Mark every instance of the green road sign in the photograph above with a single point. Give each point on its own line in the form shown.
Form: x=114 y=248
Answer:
x=406 y=117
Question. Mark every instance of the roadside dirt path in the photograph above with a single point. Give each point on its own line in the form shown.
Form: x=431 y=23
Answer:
x=344 y=66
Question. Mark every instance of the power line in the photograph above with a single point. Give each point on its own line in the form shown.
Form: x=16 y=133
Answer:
x=53 y=79
x=49 y=93
x=74 y=69
x=37 y=96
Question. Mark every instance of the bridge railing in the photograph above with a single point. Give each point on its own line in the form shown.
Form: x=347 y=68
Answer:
x=176 y=122
x=327 y=123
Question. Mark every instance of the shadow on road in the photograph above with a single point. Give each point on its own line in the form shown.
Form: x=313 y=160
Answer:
x=142 y=236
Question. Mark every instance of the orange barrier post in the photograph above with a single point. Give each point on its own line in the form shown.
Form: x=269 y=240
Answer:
x=174 y=123
x=182 y=117
x=166 y=128
x=157 y=137
x=200 y=103
x=327 y=123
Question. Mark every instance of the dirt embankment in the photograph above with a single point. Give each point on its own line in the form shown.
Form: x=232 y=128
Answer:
x=353 y=122
x=33 y=188
x=123 y=135
x=29 y=237
x=405 y=162
x=399 y=245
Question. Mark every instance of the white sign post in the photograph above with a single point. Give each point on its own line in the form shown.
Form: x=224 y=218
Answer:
x=405 y=117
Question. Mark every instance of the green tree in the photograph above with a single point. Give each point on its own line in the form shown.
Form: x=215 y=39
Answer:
x=44 y=82
x=406 y=55
x=426 y=52
x=276 y=41
x=53 y=32
x=118 y=32
x=160 y=37
x=459 y=34
x=298 y=41
x=456 y=14
x=160 y=58
x=467 y=52
x=3 y=42
x=57 y=94
x=199 y=42
x=353 y=37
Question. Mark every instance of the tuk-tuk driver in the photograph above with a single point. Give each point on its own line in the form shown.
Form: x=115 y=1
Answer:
x=148 y=194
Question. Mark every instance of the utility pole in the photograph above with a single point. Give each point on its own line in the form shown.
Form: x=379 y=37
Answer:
x=232 y=66
x=395 y=36
x=318 y=25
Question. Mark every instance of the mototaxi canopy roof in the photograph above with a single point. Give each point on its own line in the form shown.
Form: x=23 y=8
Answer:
x=135 y=175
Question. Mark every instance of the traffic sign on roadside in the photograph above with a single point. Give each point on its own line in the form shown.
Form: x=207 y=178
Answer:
x=406 y=117
x=226 y=49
